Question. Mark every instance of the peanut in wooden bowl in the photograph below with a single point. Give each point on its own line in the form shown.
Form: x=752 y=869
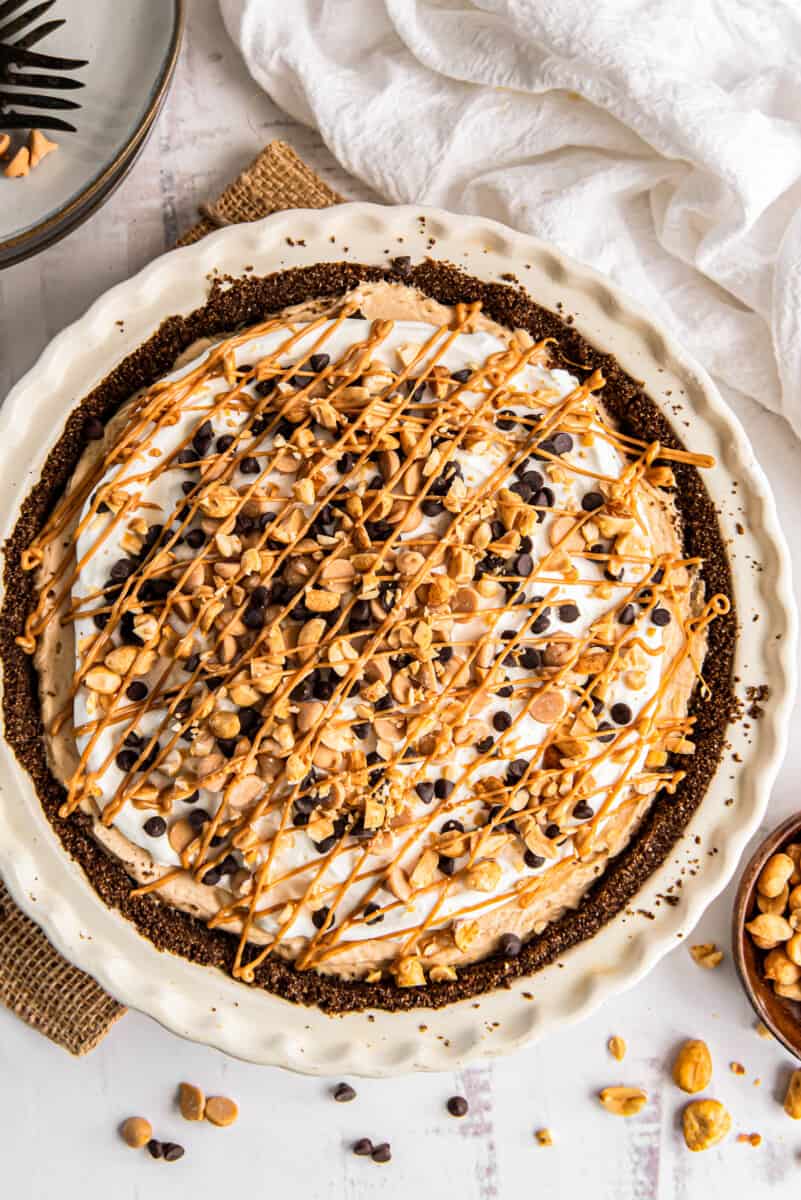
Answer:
x=782 y=1017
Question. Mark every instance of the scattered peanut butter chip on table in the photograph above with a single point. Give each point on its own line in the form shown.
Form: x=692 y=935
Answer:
x=136 y=1132
x=191 y=1102
x=623 y=1101
x=692 y=1069
x=705 y=1123
x=221 y=1111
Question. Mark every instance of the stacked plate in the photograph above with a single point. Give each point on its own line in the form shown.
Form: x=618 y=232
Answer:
x=132 y=49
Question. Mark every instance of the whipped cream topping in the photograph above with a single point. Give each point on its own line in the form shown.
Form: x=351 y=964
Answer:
x=491 y=735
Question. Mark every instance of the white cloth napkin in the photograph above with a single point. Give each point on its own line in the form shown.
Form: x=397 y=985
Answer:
x=658 y=140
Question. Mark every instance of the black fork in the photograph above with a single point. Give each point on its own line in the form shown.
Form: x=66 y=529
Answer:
x=15 y=54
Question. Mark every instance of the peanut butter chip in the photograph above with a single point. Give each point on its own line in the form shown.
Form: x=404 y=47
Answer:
x=136 y=1132
x=192 y=1103
x=180 y=835
x=549 y=707
x=221 y=1111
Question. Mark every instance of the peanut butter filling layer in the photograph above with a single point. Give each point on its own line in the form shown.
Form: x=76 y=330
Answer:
x=368 y=640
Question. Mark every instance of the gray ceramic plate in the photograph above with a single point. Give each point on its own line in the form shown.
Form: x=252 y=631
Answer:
x=132 y=49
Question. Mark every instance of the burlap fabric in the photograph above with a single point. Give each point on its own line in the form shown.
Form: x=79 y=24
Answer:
x=36 y=983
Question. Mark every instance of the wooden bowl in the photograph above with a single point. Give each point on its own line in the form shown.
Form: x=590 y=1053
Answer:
x=782 y=1017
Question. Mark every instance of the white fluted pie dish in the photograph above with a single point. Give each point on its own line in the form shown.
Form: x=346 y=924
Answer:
x=201 y=1003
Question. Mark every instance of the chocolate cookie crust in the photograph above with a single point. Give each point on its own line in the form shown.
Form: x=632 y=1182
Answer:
x=240 y=303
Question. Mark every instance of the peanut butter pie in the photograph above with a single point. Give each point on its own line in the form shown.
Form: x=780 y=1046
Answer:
x=375 y=651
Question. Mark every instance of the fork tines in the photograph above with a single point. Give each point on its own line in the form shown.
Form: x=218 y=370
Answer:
x=18 y=54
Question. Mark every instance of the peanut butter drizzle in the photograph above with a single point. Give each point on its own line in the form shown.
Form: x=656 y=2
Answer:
x=363 y=422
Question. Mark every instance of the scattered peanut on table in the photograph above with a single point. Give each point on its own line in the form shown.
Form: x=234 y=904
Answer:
x=692 y=1069
x=705 y=1123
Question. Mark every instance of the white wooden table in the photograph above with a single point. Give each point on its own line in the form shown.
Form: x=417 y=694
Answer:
x=58 y=1116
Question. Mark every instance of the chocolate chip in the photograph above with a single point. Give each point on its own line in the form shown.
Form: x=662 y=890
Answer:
x=382 y=1153
x=320 y=916
x=402 y=264
x=224 y=443
x=121 y=569
x=627 y=615
x=607 y=737
x=530 y=658
x=253 y=617
x=583 y=811
x=620 y=714
x=155 y=827
x=562 y=443
x=501 y=721
x=461 y=376
x=485 y=744
x=541 y=623
x=318 y=362
x=446 y=864
x=343 y=1093
x=155 y=1149
x=432 y=508
x=452 y=826
x=369 y=910
x=346 y=462
x=551 y=831
x=136 y=690
x=660 y=616
x=506 y=691
x=517 y=769
x=172 y=1151
x=443 y=788
x=195 y=538
x=445 y=654
x=425 y=790
x=533 y=481
x=524 y=564
x=198 y=818
x=213 y=875
x=249 y=466
x=511 y=945
x=568 y=613
x=457 y=1106
x=363 y=1147
x=94 y=429
x=126 y=759
x=533 y=860
x=590 y=501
